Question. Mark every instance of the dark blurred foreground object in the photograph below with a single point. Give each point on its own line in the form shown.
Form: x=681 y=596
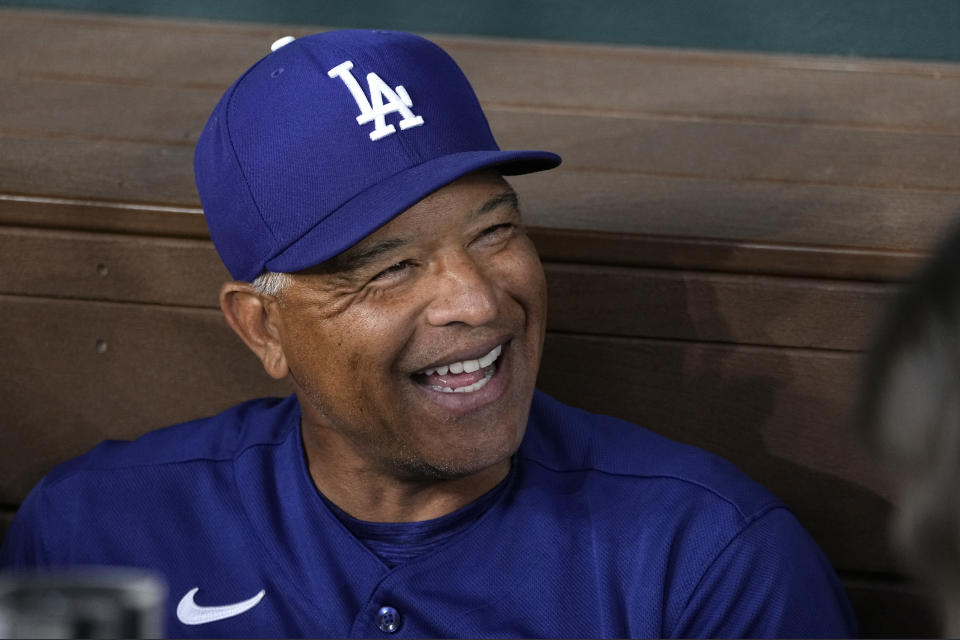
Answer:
x=910 y=414
x=92 y=603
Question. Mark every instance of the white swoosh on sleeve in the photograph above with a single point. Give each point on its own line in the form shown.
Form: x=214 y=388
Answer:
x=189 y=612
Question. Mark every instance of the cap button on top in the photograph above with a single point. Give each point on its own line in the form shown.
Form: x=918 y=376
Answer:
x=388 y=619
x=282 y=42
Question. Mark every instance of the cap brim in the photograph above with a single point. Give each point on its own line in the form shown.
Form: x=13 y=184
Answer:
x=371 y=209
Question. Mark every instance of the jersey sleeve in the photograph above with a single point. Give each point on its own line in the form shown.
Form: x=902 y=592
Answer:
x=25 y=546
x=771 y=580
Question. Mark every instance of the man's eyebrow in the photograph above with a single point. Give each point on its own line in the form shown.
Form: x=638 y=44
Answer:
x=508 y=197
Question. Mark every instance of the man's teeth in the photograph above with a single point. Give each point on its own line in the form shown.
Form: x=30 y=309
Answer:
x=467 y=366
x=476 y=386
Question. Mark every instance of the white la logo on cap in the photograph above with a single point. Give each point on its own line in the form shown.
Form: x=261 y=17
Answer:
x=374 y=110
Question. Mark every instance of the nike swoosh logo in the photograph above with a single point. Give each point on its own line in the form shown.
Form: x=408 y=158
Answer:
x=189 y=612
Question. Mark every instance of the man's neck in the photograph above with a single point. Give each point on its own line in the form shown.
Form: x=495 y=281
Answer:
x=378 y=495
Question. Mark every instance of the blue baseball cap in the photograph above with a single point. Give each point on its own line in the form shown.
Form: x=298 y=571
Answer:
x=331 y=136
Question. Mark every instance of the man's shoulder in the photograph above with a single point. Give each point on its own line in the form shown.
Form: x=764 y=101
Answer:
x=121 y=501
x=220 y=437
x=566 y=439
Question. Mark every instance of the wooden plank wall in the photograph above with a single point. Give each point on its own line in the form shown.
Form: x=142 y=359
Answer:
x=719 y=241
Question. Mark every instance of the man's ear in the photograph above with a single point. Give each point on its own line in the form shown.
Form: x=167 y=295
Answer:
x=247 y=312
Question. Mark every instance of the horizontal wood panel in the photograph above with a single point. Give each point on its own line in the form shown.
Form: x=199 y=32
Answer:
x=104 y=170
x=110 y=267
x=742 y=213
x=754 y=227
x=789 y=153
x=630 y=83
x=45 y=212
x=53 y=109
x=709 y=307
x=652 y=81
x=584 y=299
x=583 y=245
x=168 y=52
x=731 y=256
x=115 y=124
x=783 y=416
x=154 y=366
x=710 y=150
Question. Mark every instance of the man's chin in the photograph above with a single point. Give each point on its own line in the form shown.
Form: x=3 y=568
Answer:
x=470 y=445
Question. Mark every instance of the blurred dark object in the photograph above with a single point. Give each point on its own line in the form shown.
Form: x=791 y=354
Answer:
x=910 y=415
x=82 y=603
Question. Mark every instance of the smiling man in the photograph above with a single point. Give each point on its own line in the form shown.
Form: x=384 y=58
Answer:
x=415 y=484
x=413 y=354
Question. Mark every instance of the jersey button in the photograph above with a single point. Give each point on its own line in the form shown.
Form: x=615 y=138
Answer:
x=388 y=619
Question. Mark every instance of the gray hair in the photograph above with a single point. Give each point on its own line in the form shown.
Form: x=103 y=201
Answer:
x=271 y=283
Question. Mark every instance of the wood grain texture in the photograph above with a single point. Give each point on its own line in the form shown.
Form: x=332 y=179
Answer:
x=686 y=86
x=54 y=109
x=588 y=200
x=811 y=166
x=581 y=244
x=171 y=53
x=799 y=220
x=44 y=212
x=110 y=267
x=712 y=307
x=793 y=153
x=728 y=256
x=132 y=172
x=749 y=227
x=857 y=92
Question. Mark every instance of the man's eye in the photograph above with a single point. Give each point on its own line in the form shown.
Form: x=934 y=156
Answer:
x=496 y=231
x=392 y=270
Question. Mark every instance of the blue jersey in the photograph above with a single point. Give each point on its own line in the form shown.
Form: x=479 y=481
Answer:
x=604 y=529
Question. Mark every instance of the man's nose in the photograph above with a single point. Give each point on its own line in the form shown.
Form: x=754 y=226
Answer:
x=462 y=292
